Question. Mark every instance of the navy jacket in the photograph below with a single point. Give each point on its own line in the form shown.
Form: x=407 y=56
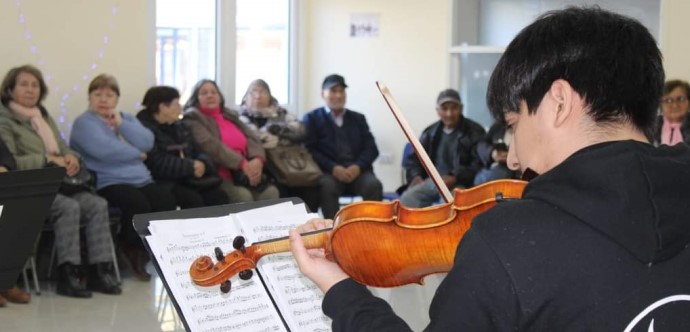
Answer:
x=321 y=132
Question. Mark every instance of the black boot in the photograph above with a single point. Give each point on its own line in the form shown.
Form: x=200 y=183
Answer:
x=69 y=283
x=101 y=279
x=137 y=258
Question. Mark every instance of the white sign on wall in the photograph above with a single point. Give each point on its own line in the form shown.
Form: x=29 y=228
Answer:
x=364 y=25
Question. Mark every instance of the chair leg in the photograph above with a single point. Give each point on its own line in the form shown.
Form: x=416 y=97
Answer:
x=35 y=275
x=26 y=279
x=115 y=265
x=52 y=260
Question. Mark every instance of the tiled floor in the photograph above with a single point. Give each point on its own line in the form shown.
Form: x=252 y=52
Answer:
x=145 y=306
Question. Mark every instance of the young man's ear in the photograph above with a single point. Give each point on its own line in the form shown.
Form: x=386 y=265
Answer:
x=561 y=93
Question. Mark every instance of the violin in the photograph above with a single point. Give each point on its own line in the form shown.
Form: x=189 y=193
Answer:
x=380 y=244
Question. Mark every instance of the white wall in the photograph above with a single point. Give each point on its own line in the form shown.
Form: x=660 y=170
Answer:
x=410 y=56
x=675 y=45
x=70 y=43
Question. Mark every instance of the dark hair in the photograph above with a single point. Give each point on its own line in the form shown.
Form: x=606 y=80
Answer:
x=673 y=84
x=193 y=100
x=612 y=61
x=104 y=81
x=158 y=95
x=10 y=81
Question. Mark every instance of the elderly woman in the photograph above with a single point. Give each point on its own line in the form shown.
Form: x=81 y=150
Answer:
x=33 y=138
x=233 y=147
x=114 y=145
x=275 y=127
x=175 y=157
x=673 y=125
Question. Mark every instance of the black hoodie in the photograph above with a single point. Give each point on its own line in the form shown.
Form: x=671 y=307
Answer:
x=599 y=243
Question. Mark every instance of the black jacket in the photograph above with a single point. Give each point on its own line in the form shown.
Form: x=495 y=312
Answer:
x=599 y=243
x=321 y=133
x=171 y=142
x=466 y=163
x=6 y=158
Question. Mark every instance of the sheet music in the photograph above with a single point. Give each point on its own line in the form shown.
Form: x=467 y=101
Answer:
x=176 y=244
x=297 y=297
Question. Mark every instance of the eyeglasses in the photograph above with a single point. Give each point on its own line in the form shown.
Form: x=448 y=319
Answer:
x=676 y=100
x=258 y=93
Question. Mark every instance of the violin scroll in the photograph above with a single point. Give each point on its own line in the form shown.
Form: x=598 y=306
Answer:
x=243 y=259
x=205 y=273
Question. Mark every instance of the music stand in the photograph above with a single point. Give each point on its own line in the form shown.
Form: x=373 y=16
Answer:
x=141 y=225
x=25 y=200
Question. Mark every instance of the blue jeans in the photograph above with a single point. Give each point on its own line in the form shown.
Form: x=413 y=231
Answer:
x=421 y=195
x=497 y=172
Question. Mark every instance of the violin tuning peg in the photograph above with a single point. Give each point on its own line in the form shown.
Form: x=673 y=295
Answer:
x=219 y=254
x=238 y=243
x=246 y=274
x=225 y=286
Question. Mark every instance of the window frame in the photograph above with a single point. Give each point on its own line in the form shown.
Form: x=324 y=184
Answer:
x=226 y=51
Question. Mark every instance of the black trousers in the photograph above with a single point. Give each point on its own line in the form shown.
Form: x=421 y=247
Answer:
x=366 y=185
x=188 y=197
x=131 y=200
x=310 y=195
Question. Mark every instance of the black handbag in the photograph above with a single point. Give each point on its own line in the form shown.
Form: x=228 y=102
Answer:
x=82 y=181
x=203 y=183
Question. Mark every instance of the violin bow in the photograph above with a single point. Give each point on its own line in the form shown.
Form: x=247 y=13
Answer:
x=416 y=145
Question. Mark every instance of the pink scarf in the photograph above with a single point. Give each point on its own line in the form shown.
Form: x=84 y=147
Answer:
x=40 y=126
x=670 y=133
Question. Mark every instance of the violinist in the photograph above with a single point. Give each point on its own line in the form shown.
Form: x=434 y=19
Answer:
x=600 y=240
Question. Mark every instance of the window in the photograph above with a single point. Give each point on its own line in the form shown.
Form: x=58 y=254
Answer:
x=188 y=46
x=185 y=43
x=263 y=46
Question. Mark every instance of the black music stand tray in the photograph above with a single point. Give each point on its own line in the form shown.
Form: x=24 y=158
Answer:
x=141 y=225
x=25 y=198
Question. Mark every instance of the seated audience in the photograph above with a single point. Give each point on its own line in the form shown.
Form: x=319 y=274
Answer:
x=14 y=294
x=175 y=157
x=493 y=154
x=275 y=127
x=341 y=143
x=114 y=145
x=450 y=143
x=34 y=140
x=673 y=125
x=232 y=146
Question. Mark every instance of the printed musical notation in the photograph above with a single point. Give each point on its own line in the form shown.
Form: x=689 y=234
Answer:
x=233 y=314
x=243 y=325
x=294 y=293
x=248 y=306
x=176 y=245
